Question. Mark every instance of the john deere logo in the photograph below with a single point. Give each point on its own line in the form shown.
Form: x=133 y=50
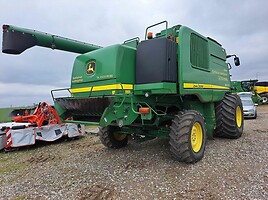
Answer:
x=91 y=67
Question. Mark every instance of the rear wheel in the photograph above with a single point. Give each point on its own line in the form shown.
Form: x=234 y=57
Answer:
x=188 y=137
x=229 y=117
x=112 y=138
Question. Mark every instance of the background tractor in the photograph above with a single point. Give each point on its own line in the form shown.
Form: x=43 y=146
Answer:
x=247 y=86
x=174 y=84
x=261 y=89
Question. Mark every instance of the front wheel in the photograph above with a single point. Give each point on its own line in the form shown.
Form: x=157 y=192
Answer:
x=112 y=138
x=229 y=117
x=255 y=115
x=264 y=98
x=188 y=137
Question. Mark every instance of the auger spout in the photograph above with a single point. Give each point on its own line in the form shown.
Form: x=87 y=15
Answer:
x=16 y=40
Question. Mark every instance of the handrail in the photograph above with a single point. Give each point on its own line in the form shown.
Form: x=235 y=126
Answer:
x=129 y=40
x=156 y=25
x=55 y=90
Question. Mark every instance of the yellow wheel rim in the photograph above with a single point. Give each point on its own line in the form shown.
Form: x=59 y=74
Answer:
x=119 y=136
x=196 y=137
x=239 y=116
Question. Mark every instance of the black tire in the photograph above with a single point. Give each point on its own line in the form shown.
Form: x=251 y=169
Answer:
x=264 y=98
x=18 y=127
x=229 y=117
x=255 y=116
x=184 y=146
x=110 y=137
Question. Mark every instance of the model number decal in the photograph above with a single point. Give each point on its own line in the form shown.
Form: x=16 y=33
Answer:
x=105 y=76
x=198 y=86
x=204 y=86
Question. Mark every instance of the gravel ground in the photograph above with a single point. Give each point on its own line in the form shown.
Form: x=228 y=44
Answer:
x=85 y=169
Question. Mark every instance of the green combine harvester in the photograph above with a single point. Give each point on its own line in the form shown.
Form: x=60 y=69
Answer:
x=247 y=86
x=174 y=84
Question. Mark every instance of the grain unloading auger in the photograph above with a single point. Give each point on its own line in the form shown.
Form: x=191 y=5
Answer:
x=174 y=85
x=16 y=40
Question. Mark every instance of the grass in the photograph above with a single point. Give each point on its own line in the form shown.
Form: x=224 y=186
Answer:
x=21 y=197
x=14 y=161
x=11 y=168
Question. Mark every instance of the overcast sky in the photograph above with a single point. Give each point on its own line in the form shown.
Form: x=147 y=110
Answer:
x=240 y=26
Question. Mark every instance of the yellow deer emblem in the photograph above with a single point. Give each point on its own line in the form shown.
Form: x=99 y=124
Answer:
x=91 y=67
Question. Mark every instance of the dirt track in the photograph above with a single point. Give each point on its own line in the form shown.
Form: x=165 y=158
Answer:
x=85 y=169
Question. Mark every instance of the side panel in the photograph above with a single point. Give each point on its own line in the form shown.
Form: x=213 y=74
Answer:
x=202 y=68
x=106 y=69
x=97 y=78
x=156 y=61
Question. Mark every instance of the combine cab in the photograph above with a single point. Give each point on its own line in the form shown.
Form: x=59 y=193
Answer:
x=174 y=84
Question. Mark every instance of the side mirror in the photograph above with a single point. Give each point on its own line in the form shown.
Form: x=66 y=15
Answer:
x=236 y=61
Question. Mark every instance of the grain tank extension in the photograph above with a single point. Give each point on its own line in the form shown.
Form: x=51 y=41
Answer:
x=174 y=84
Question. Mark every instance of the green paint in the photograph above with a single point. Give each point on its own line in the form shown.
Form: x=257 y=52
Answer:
x=203 y=80
x=208 y=76
x=155 y=88
x=216 y=73
x=114 y=64
x=56 y=42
